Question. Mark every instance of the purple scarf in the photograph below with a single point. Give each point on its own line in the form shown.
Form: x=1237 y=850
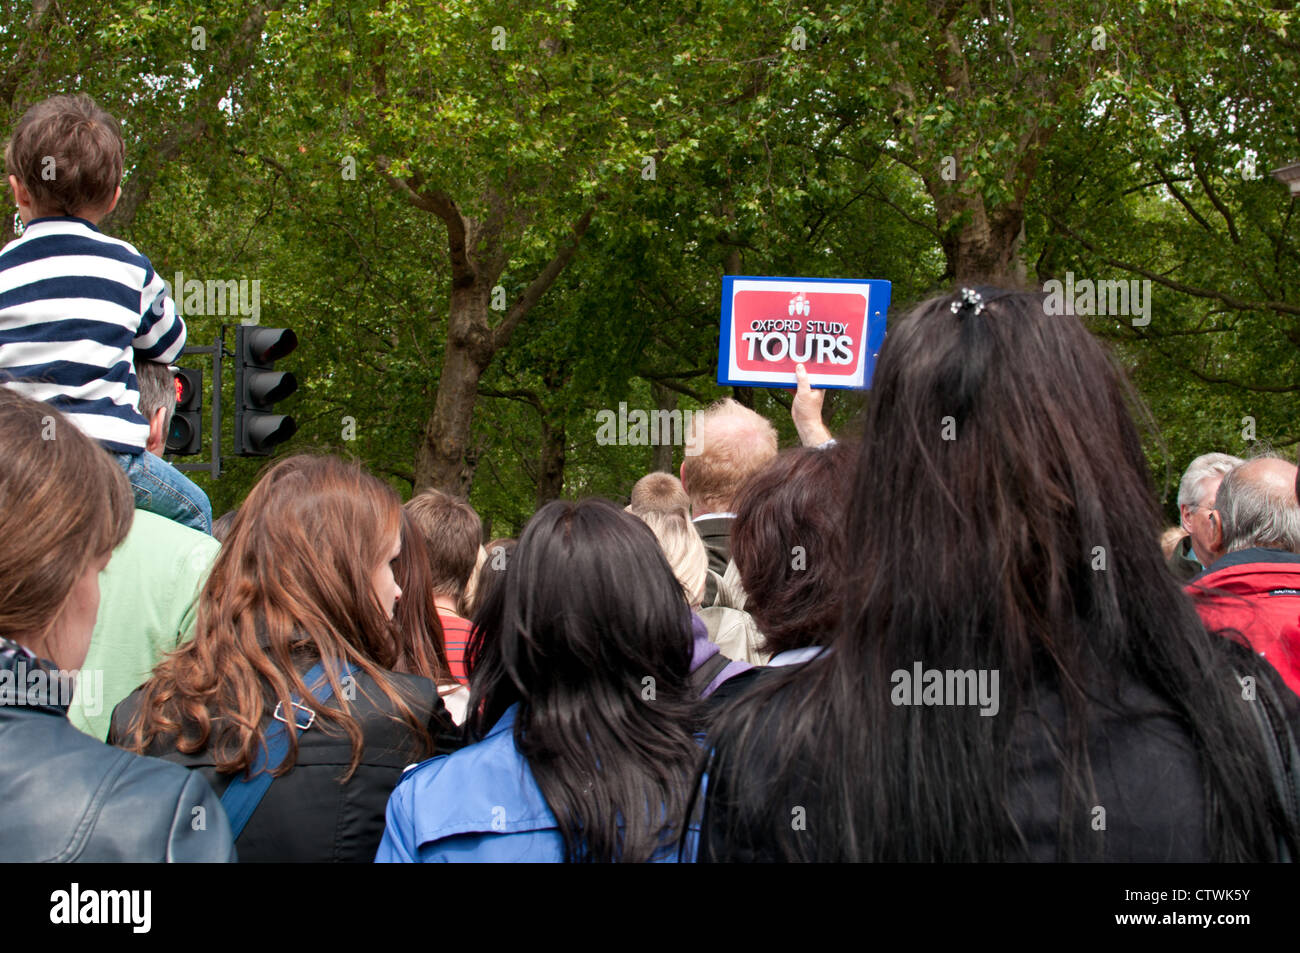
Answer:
x=703 y=650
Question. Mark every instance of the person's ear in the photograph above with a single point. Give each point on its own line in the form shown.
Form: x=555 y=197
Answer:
x=113 y=204
x=1216 y=532
x=1183 y=512
x=682 y=477
x=21 y=195
x=157 y=441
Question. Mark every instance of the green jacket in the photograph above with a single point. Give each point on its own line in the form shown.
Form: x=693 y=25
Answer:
x=147 y=603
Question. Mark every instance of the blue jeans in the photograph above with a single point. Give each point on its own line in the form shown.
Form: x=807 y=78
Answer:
x=161 y=488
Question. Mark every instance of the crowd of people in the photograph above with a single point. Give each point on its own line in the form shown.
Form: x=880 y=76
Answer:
x=950 y=634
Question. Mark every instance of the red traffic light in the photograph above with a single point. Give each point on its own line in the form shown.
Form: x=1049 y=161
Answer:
x=189 y=388
x=184 y=436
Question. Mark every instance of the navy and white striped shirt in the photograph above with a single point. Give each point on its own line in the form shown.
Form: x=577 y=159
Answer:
x=73 y=304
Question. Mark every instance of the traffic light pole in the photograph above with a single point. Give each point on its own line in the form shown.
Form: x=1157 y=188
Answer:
x=217 y=351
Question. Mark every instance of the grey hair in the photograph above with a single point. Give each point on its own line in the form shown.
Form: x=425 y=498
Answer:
x=1203 y=467
x=157 y=389
x=1256 y=515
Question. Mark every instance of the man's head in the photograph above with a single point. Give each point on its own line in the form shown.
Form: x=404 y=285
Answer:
x=65 y=157
x=658 y=492
x=1256 y=508
x=734 y=443
x=157 y=402
x=453 y=536
x=1196 y=494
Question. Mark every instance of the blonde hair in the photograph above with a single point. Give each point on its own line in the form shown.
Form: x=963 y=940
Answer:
x=682 y=546
x=1170 y=539
x=735 y=443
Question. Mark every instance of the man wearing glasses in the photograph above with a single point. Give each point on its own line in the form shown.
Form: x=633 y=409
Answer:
x=1196 y=492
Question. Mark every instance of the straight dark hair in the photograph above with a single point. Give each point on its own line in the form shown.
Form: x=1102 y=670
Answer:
x=589 y=634
x=1000 y=464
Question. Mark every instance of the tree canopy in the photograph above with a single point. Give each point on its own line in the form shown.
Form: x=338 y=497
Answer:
x=489 y=221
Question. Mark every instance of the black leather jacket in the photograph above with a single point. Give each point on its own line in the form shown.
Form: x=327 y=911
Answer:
x=310 y=814
x=69 y=797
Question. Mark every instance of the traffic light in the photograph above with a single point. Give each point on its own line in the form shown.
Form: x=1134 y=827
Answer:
x=185 y=436
x=258 y=386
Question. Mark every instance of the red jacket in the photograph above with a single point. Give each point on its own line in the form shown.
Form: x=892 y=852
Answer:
x=1256 y=592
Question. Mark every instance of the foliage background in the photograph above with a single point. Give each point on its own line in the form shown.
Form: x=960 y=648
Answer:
x=923 y=142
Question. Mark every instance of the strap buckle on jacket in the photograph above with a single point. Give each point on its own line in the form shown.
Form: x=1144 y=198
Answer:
x=278 y=715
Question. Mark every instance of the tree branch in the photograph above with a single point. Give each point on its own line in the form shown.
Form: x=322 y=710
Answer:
x=1232 y=301
x=441 y=204
x=539 y=285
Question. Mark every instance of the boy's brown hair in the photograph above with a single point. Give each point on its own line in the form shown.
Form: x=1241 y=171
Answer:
x=68 y=153
x=453 y=535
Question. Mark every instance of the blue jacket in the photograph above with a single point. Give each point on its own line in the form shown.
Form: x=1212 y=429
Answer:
x=481 y=805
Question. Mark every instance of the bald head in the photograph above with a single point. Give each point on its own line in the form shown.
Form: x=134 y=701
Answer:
x=1273 y=473
x=1257 y=506
x=734 y=443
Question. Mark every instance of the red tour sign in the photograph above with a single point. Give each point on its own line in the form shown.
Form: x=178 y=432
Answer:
x=834 y=327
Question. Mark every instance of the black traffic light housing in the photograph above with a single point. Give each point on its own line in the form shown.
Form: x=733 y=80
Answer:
x=258 y=387
x=185 y=435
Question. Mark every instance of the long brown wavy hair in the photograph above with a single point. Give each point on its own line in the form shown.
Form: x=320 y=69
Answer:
x=293 y=581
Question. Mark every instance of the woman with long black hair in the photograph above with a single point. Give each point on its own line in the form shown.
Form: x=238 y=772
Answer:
x=1016 y=676
x=580 y=703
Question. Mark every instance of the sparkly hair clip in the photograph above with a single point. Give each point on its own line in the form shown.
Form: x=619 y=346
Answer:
x=968 y=298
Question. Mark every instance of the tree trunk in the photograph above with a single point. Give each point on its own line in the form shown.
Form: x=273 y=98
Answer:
x=986 y=248
x=446 y=459
x=665 y=400
x=550 y=471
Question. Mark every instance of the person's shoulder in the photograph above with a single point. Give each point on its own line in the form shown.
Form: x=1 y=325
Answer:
x=381 y=715
x=736 y=686
x=714 y=525
x=1244 y=565
x=123 y=712
x=121 y=248
x=173 y=809
x=484 y=788
x=413 y=689
x=494 y=757
x=153 y=538
x=104 y=803
x=455 y=623
x=755 y=700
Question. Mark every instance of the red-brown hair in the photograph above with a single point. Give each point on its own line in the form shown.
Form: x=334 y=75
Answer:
x=789 y=545
x=417 y=613
x=293 y=579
